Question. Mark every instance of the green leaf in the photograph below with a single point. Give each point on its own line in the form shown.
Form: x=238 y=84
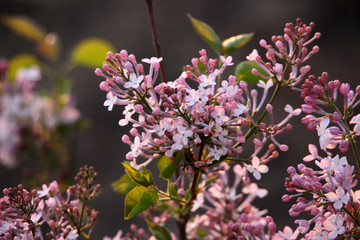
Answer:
x=159 y=232
x=24 y=27
x=124 y=184
x=243 y=72
x=91 y=52
x=138 y=200
x=21 y=61
x=200 y=233
x=231 y=44
x=162 y=206
x=210 y=180
x=172 y=190
x=206 y=33
x=167 y=166
x=142 y=176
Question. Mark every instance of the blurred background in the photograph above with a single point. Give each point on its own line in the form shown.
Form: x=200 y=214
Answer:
x=124 y=23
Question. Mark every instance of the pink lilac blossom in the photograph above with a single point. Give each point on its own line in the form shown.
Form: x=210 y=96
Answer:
x=172 y=116
x=322 y=97
x=23 y=213
x=22 y=107
x=327 y=195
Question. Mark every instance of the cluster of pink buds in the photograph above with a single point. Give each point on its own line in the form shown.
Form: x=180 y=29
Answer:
x=23 y=214
x=326 y=194
x=291 y=48
x=229 y=213
x=174 y=116
x=321 y=94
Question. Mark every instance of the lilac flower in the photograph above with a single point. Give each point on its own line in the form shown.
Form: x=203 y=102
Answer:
x=356 y=120
x=334 y=225
x=256 y=169
x=181 y=138
x=286 y=234
x=325 y=137
x=111 y=100
x=154 y=62
x=134 y=81
x=339 y=198
x=313 y=153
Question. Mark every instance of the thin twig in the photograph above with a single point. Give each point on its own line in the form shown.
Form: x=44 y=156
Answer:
x=155 y=38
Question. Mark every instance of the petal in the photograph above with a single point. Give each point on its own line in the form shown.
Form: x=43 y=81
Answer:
x=331 y=196
x=263 y=168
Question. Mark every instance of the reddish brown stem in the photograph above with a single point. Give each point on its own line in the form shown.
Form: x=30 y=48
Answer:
x=155 y=38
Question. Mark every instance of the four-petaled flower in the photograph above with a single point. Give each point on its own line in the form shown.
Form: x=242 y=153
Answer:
x=134 y=81
x=256 y=169
x=335 y=225
x=111 y=100
x=339 y=198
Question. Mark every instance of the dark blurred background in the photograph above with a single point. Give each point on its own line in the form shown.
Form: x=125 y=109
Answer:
x=124 y=23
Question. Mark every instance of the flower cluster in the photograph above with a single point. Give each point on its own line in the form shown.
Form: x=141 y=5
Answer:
x=290 y=48
x=229 y=213
x=321 y=94
x=202 y=113
x=327 y=195
x=174 y=116
x=23 y=214
x=28 y=119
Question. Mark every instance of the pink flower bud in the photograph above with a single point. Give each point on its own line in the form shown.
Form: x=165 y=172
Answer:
x=106 y=67
x=286 y=198
x=248 y=228
x=195 y=62
x=104 y=86
x=279 y=45
x=291 y=170
x=253 y=93
x=306 y=108
x=132 y=58
x=140 y=67
x=110 y=54
x=138 y=108
x=254 y=71
x=123 y=54
x=203 y=60
x=125 y=138
x=232 y=79
x=99 y=72
x=243 y=84
x=181 y=192
x=293 y=213
x=284 y=148
x=134 y=132
x=202 y=52
x=315 y=49
x=344 y=88
x=269 y=108
x=263 y=43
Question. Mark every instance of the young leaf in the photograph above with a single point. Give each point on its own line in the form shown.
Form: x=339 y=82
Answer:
x=142 y=176
x=159 y=232
x=167 y=166
x=231 y=44
x=91 y=52
x=21 y=61
x=24 y=27
x=206 y=33
x=172 y=190
x=243 y=72
x=124 y=184
x=138 y=200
